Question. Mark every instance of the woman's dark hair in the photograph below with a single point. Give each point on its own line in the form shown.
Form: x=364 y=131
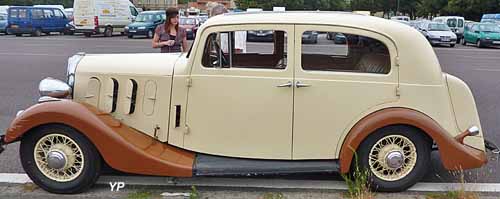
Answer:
x=171 y=13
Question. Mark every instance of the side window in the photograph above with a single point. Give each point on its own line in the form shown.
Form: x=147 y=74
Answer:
x=258 y=49
x=23 y=14
x=460 y=23
x=58 y=14
x=452 y=23
x=37 y=13
x=48 y=13
x=13 y=13
x=341 y=52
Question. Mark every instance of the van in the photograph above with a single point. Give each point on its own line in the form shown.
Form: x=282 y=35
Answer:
x=3 y=9
x=491 y=18
x=400 y=18
x=103 y=16
x=455 y=23
x=36 y=20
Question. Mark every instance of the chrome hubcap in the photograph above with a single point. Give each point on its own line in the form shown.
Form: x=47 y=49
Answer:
x=56 y=159
x=394 y=159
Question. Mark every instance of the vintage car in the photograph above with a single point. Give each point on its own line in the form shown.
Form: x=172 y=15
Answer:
x=273 y=109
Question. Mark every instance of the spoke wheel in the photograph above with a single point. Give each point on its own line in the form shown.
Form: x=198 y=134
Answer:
x=59 y=158
x=392 y=157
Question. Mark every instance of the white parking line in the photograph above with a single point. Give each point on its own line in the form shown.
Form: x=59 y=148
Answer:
x=18 y=178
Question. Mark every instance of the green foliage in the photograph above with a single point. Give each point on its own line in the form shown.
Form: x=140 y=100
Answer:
x=194 y=193
x=141 y=194
x=358 y=185
x=273 y=196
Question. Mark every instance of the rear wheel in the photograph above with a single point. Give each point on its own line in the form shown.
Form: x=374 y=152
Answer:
x=108 y=32
x=130 y=36
x=396 y=157
x=36 y=33
x=479 y=44
x=87 y=34
x=464 y=42
x=59 y=159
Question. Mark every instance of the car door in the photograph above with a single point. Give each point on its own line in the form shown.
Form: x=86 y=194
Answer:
x=337 y=83
x=60 y=20
x=49 y=22
x=37 y=17
x=240 y=105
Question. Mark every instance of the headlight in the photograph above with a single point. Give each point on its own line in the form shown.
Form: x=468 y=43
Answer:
x=50 y=87
x=71 y=69
x=487 y=38
x=126 y=27
x=141 y=28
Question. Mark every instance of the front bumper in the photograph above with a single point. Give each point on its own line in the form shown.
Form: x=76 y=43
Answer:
x=2 y=143
x=439 y=41
x=136 y=31
x=490 y=42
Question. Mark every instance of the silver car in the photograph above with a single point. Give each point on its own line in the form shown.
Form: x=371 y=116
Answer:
x=439 y=34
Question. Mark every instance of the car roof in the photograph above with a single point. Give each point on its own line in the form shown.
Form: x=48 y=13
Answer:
x=153 y=12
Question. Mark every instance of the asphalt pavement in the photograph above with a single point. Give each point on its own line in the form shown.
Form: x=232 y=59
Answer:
x=24 y=61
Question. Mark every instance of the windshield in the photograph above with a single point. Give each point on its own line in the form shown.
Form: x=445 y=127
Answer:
x=438 y=27
x=489 y=28
x=452 y=22
x=148 y=18
x=187 y=21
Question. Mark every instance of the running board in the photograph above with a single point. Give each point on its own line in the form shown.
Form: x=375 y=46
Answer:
x=208 y=165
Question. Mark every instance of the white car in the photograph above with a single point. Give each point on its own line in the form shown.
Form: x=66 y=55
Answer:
x=439 y=34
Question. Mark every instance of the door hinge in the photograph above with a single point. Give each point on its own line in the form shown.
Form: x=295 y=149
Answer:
x=396 y=61
x=189 y=82
x=398 y=91
x=186 y=129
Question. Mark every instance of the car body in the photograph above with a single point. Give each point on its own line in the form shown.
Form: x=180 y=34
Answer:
x=93 y=17
x=145 y=24
x=482 y=35
x=260 y=36
x=310 y=37
x=400 y=18
x=338 y=38
x=439 y=34
x=275 y=109
x=36 y=20
x=191 y=25
x=202 y=18
x=69 y=13
x=3 y=23
x=455 y=23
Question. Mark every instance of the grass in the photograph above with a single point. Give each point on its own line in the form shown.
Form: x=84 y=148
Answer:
x=461 y=193
x=273 y=196
x=194 y=193
x=29 y=187
x=141 y=194
x=358 y=186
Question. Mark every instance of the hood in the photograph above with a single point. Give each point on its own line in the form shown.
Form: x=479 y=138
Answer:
x=492 y=35
x=139 y=24
x=442 y=33
x=147 y=64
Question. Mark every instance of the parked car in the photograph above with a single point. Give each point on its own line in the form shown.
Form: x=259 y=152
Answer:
x=36 y=20
x=103 y=17
x=260 y=36
x=455 y=23
x=145 y=24
x=400 y=18
x=338 y=38
x=3 y=24
x=190 y=24
x=310 y=37
x=277 y=109
x=439 y=34
x=482 y=35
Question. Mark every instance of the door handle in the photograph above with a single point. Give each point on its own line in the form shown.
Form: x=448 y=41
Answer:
x=300 y=85
x=288 y=84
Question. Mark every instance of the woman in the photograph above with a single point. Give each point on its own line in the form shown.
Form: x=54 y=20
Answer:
x=169 y=36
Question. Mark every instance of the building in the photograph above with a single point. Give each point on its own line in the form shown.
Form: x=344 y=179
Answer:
x=155 y=4
x=202 y=4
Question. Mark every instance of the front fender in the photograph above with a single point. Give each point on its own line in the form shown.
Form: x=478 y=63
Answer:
x=122 y=147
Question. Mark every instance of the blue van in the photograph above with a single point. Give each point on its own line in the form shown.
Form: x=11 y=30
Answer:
x=36 y=20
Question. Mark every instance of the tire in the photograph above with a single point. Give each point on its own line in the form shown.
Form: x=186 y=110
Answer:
x=87 y=34
x=108 y=32
x=452 y=45
x=150 y=34
x=37 y=33
x=479 y=44
x=418 y=144
x=78 y=182
x=19 y=35
x=464 y=42
x=130 y=36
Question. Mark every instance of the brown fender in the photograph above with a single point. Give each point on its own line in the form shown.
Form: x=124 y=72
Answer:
x=454 y=155
x=122 y=147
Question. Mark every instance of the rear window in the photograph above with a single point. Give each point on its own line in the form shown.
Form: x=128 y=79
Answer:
x=452 y=22
x=13 y=13
x=460 y=23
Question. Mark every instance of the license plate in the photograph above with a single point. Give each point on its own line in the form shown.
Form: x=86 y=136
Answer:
x=496 y=42
x=445 y=39
x=132 y=31
x=14 y=26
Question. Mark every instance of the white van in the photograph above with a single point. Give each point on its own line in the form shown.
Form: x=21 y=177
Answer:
x=103 y=16
x=400 y=18
x=455 y=23
x=3 y=9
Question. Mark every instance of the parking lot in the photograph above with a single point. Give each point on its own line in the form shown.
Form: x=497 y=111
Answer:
x=26 y=60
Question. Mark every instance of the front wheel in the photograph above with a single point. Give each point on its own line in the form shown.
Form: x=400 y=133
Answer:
x=60 y=159
x=108 y=32
x=479 y=44
x=464 y=42
x=150 y=34
x=396 y=157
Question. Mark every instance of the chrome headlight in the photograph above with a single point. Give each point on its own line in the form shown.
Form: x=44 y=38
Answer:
x=71 y=69
x=126 y=27
x=54 y=88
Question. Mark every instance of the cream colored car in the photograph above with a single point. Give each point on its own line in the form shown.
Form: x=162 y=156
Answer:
x=268 y=108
